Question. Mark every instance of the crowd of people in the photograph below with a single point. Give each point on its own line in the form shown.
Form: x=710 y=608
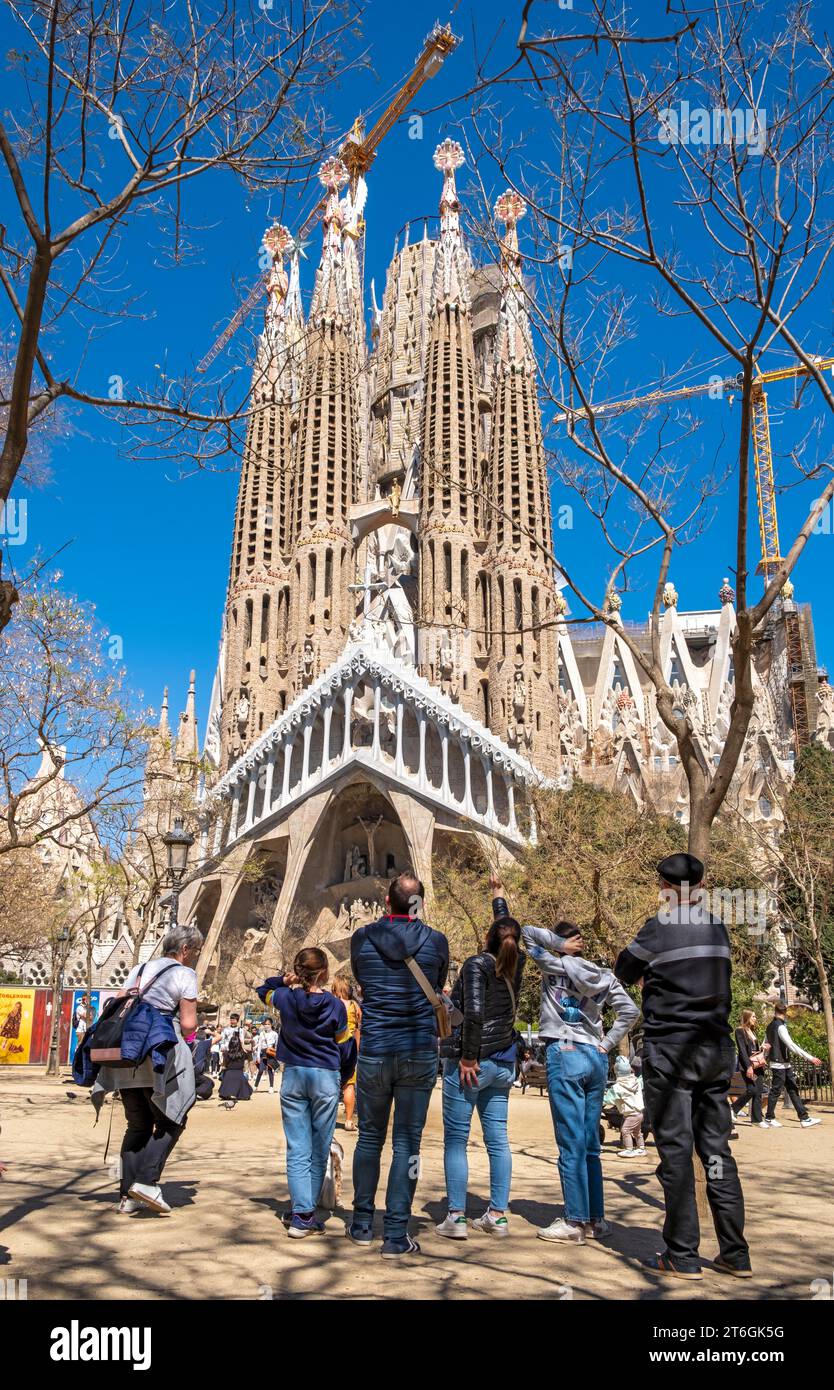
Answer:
x=382 y=1059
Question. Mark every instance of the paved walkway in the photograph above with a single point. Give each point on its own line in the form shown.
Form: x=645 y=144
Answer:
x=59 y=1229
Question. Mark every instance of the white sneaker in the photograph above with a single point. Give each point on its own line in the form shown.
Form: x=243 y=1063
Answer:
x=150 y=1196
x=638 y=1153
x=454 y=1227
x=773 y=1124
x=492 y=1225
x=629 y=1153
x=743 y=1114
x=763 y=1124
x=563 y=1231
x=598 y=1230
x=127 y=1206
x=811 y=1120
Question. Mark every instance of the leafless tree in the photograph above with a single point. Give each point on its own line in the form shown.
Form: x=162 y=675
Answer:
x=674 y=172
x=125 y=107
x=71 y=752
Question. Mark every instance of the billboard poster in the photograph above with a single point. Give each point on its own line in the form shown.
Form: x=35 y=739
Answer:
x=17 y=1007
x=86 y=1005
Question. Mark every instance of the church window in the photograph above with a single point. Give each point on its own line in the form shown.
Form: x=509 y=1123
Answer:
x=311 y=582
x=502 y=614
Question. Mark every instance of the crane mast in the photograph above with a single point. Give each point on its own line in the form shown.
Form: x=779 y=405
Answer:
x=771 y=556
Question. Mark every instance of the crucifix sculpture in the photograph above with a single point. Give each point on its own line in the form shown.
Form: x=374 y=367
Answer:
x=370 y=831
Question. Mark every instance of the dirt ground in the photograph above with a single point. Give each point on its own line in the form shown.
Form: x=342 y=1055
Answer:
x=59 y=1229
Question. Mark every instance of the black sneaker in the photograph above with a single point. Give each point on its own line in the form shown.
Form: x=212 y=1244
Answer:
x=399 y=1249
x=662 y=1263
x=737 y=1271
x=360 y=1235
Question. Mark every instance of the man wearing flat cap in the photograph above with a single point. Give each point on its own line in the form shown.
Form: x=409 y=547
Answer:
x=682 y=957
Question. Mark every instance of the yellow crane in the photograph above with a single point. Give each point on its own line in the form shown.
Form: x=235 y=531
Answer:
x=357 y=154
x=760 y=426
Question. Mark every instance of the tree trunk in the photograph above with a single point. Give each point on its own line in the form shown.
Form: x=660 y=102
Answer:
x=17 y=428
x=700 y=829
x=825 y=995
x=53 y=1067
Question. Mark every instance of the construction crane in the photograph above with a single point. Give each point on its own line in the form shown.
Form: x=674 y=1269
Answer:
x=760 y=426
x=357 y=154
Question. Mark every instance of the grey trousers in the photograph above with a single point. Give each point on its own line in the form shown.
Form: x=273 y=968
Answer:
x=630 y=1133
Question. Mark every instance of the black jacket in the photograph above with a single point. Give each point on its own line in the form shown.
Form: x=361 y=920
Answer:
x=683 y=958
x=487 y=1007
x=746 y=1047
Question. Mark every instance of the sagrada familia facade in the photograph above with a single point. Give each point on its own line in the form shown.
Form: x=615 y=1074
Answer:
x=398 y=671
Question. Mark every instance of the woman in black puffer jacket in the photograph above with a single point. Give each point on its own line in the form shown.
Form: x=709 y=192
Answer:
x=478 y=1071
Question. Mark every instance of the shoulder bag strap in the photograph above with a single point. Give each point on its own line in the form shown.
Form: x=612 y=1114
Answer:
x=512 y=996
x=157 y=976
x=430 y=993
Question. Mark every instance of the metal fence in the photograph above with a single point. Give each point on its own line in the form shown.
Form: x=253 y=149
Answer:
x=814 y=1083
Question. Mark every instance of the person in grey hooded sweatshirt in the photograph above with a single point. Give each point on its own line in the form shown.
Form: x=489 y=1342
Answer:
x=575 y=994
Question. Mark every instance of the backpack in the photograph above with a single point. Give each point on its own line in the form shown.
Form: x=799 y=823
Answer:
x=106 y=1035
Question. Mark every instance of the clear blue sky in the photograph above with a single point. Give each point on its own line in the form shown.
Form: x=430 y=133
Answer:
x=151 y=550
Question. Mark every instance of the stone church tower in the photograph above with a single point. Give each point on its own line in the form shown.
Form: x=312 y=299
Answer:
x=361 y=716
x=522 y=663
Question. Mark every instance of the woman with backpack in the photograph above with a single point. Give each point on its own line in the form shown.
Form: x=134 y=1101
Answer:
x=313 y=1025
x=478 y=1072
x=156 y=1103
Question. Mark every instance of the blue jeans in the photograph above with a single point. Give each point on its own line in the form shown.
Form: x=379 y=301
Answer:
x=576 y=1076
x=406 y=1081
x=490 y=1098
x=309 y=1101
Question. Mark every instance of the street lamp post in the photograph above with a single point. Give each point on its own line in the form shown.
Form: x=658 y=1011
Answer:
x=52 y=1062
x=786 y=961
x=177 y=843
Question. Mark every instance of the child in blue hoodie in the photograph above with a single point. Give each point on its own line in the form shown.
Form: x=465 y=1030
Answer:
x=313 y=1024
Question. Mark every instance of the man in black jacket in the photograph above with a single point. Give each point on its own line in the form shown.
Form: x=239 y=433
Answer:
x=682 y=956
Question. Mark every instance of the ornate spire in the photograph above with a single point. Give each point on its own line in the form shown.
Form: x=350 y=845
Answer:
x=278 y=243
x=451 y=273
x=159 y=760
x=187 y=743
x=164 y=726
x=277 y=365
x=514 y=346
x=330 y=296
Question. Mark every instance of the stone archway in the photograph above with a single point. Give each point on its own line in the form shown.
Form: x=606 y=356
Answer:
x=359 y=846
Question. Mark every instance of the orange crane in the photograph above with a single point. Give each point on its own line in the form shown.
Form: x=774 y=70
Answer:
x=762 y=453
x=357 y=154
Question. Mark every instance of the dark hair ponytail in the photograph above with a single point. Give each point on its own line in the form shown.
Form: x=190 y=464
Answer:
x=309 y=965
x=502 y=942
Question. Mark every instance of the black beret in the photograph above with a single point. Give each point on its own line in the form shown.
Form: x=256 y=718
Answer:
x=681 y=868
